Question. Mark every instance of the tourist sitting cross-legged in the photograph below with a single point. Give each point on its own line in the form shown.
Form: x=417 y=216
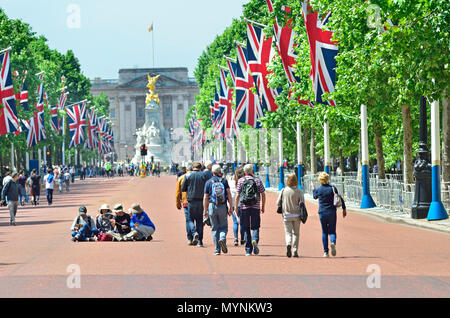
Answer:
x=121 y=223
x=142 y=227
x=83 y=227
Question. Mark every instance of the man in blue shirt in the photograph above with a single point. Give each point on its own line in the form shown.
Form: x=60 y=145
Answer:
x=216 y=194
x=142 y=227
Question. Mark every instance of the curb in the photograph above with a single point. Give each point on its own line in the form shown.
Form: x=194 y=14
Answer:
x=386 y=215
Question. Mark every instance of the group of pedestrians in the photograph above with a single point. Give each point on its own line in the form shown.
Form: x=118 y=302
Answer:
x=206 y=198
x=113 y=225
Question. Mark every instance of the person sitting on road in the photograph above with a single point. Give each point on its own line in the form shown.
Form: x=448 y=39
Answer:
x=103 y=220
x=121 y=223
x=83 y=227
x=142 y=227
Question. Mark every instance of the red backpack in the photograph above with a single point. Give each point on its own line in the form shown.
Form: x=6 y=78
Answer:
x=104 y=237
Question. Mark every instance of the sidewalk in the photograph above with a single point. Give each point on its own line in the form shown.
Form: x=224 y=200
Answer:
x=387 y=215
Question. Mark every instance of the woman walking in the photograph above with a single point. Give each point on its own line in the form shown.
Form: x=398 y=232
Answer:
x=35 y=184
x=239 y=173
x=327 y=211
x=289 y=199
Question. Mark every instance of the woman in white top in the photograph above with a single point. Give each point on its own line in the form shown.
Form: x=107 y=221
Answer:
x=239 y=173
x=290 y=198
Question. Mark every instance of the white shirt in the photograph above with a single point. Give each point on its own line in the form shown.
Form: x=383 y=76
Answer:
x=49 y=185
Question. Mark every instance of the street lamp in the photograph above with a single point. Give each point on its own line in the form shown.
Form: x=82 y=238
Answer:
x=422 y=169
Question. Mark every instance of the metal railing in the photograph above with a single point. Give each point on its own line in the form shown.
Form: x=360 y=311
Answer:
x=390 y=193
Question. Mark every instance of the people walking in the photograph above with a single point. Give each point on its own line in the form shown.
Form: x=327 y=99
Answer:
x=194 y=184
x=217 y=194
x=237 y=228
x=10 y=192
x=21 y=182
x=327 y=211
x=35 y=185
x=289 y=199
x=60 y=180
x=49 y=180
x=252 y=200
x=182 y=202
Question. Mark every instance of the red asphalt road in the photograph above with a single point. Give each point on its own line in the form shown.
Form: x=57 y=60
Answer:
x=36 y=254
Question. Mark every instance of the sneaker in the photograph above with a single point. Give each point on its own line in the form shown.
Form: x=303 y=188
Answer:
x=216 y=253
x=248 y=254
x=236 y=242
x=223 y=246
x=325 y=254
x=149 y=238
x=200 y=244
x=288 y=251
x=333 y=249
x=255 y=248
x=195 y=239
x=190 y=242
x=74 y=239
x=296 y=254
x=242 y=242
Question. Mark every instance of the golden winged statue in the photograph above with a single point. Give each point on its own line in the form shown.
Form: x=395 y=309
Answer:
x=151 y=87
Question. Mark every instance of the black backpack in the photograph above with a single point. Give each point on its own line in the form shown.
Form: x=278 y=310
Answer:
x=249 y=192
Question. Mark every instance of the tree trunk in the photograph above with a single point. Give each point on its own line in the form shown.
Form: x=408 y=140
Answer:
x=312 y=150
x=445 y=142
x=305 y=147
x=341 y=162
x=380 y=154
x=407 y=145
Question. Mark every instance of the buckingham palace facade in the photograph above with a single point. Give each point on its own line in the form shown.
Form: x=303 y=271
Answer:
x=127 y=95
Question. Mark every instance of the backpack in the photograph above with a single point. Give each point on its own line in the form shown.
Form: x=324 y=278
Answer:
x=249 y=192
x=217 y=192
x=104 y=237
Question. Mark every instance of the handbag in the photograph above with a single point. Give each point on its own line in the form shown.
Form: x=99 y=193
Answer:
x=337 y=201
x=280 y=206
x=303 y=212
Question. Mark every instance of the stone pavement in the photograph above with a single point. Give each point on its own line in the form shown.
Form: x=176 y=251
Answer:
x=38 y=258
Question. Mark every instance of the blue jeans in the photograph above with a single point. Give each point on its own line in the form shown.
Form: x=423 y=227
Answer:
x=219 y=223
x=50 y=196
x=196 y=218
x=190 y=228
x=85 y=232
x=250 y=223
x=236 y=227
x=22 y=194
x=328 y=222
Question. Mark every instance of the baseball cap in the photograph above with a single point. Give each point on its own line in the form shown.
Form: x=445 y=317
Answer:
x=82 y=210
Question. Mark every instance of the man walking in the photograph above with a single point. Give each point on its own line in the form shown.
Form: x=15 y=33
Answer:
x=250 y=194
x=182 y=202
x=10 y=192
x=217 y=194
x=194 y=185
x=49 y=185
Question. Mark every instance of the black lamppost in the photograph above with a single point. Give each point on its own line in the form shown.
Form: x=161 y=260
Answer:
x=422 y=169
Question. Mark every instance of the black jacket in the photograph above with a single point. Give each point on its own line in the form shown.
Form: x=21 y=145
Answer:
x=11 y=191
x=194 y=185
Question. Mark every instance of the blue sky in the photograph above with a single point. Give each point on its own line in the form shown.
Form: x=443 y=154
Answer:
x=107 y=35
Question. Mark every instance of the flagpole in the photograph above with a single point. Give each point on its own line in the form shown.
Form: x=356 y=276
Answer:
x=5 y=50
x=153 y=46
x=255 y=23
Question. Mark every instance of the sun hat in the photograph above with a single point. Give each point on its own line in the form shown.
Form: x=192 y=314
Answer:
x=104 y=207
x=118 y=207
x=136 y=208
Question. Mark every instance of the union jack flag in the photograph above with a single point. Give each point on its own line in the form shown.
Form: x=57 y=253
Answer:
x=77 y=120
x=54 y=122
x=40 y=92
x=322 y=52
x=92 y=142
x=284 y=38
x=9 y=121
x=248 y=108
x=259 y=53
x=234 y=125
x=225 y=102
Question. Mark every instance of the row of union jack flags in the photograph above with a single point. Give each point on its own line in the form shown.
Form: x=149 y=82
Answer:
x=100 y=135
x=249 y=73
